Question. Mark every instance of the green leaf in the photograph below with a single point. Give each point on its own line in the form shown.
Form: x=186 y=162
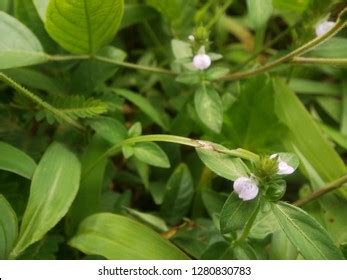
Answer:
x=281 y=247
x=259 y=12
x=335 y=47
x=209 y=106
x=83 y=26
x=87 y=201
x=318 y=156
x=251 y=122
x=4 y=5
x=169 y=8
x=304 y=86
x=41 y=7
x=144 y=105
x=19 y=46
x=54 y=186
x=16 y=161
x=236 y=213
x=306 y=234
x=152 y=154
x=151 y=220
x=8 y=228
x=223 y=165
x=178 y=196
x=110 y=129
x=293 y=6
x=120 y=238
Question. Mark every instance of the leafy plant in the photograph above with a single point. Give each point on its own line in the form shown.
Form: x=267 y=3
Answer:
x=216 y=131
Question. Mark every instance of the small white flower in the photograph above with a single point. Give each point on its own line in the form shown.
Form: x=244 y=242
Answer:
x=324 y=27
x=283 y=167
x=246 y=188
x=191 y=38
x=201 y=61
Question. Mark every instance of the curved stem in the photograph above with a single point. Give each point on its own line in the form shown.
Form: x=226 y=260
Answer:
x=178 y=140
x=332 y=186
x=320 y=60
x=299 y=51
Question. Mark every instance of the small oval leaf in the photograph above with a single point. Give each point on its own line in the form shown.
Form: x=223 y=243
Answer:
x=152 y=154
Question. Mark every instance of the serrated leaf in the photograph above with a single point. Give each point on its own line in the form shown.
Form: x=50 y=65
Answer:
x=54 y=186
x=83 y=26
x=119 y=238
x=306 y=234
x=16 y=161
x=18 y=45
x=236 y=213
x=152 y=154
x=8 y=228
x=209 y=106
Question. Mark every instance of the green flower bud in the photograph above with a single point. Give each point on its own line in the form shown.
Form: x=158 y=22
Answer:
x=275 y=190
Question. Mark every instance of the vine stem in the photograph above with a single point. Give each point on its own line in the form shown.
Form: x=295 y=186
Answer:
x=241 y=153
x=332 y=186
x=299 y=51
x=320 y=60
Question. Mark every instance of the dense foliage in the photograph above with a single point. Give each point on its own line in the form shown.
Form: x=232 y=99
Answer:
x=173 y=129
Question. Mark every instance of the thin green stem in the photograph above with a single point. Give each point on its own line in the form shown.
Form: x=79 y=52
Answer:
x=299 y=51
x=320 y=60
x=136 y=66
x=247 y=155
x=249 y=225
x=332 y=186
x=36 y=99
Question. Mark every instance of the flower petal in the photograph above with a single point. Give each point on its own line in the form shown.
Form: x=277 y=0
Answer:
x=246 y=188
x=284 y=168
x=201 y=61
x=324 y=27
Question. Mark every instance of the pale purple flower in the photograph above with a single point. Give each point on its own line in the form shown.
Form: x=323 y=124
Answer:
x=246 y=188
x=201 y=61
x=191 y=38
x=324 y=27
x=283 y=167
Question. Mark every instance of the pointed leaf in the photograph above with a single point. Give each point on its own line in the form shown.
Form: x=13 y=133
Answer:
x=54 y=186
x=8 y=228
x=306 y=234
x=152 y=154
x=120 y=238
x=18 y=45
x=16 y=161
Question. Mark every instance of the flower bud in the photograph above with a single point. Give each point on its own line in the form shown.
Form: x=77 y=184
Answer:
x=275 y=190
x=246 y=188
x=201 y=61
x=324 y=27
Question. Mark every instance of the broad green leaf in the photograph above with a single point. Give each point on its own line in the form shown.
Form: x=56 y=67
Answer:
x=110 y=129
x=335 y=47
x=181 y=49
x=18 y=45
x=54 y=187
x=169 y=8
x=306 y=234
x=304 y=86
x=305 y=138
x=144 y=105
x=4 y=5
x=119 y=238
x=83 y=26
x=236 y=213
x=178 y=196
x=251 y=122
x=264 y=225
x=16 y=161
x=152 y=154
x=8 y=228
x=213 y=201
x=209 y=106
x=259 y=12
x=223 y=165
x=88 y=198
